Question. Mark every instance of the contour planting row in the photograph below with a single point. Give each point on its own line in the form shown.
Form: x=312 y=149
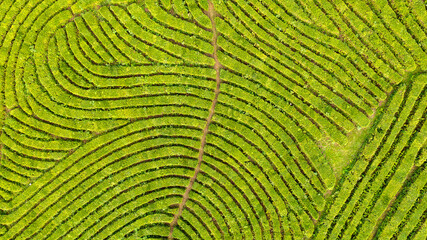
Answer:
x=275 y=154
x=215 y=188
x=39 y=49
x=260 y=117
x=19 y=42
x=347 y=191
x=286 y=25
x=26 y=154
x=406 y=212
x=30 y=148
x=108 y=102
x=384 y=45
x=342 y=112
x=294 y=41
x=386 y=161
x=166 y=45
x=262 y=175
x=98 y=165
x=282 y=180
x=356 y=30
x=387 y=149
x=408 y=15
x=289 y=21
x=56 y=96
x=391 y=176
x=87 y=73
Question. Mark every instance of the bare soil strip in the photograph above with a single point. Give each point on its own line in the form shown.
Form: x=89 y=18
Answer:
x=211 y=14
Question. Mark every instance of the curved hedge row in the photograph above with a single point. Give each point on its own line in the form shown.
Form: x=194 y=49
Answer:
x=222 y=119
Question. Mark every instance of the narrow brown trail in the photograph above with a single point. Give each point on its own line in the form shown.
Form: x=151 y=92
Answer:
x=211 y=14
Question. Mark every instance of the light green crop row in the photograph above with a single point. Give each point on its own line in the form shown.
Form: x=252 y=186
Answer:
x=383 y=127
x=273 y=123
x=112 y=156
x=273 y=90
x=383 y=165
x=411 y=37
x=106 y=198
x=263 y=172
x=262 y=69
x=315 y=71
x=264 y=129
x=290 y=31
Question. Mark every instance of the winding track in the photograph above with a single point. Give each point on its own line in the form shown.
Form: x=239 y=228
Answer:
x=212 y=14
x=104 y=104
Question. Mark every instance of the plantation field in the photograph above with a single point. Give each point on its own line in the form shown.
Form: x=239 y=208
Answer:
x=213 y=119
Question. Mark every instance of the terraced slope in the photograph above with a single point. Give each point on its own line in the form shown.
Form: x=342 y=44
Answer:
x=213 y=119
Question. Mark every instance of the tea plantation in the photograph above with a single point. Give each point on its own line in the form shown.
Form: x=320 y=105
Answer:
x=213 y=119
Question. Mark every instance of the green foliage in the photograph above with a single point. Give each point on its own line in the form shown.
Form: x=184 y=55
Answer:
x=284 y=119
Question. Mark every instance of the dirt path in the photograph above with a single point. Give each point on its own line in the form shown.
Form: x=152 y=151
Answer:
x=211 y=14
